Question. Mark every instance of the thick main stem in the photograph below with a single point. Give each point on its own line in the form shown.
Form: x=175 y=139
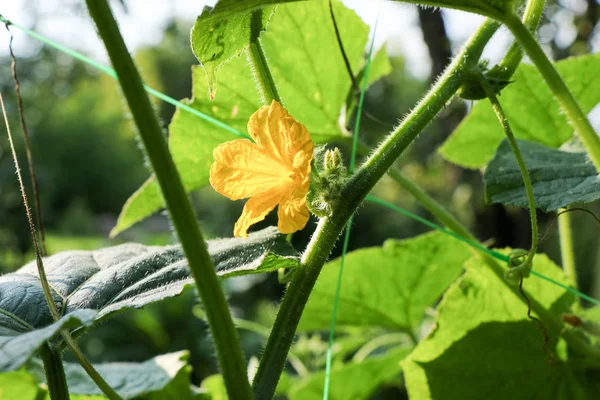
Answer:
x=357 y=188
x=225 y=337
x=569 y=104
x=55 y=373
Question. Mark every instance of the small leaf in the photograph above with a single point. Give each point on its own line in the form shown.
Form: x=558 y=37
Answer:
x=217 y=38
x=558 y=178
x=18 y=346
x=352 y=380
x=531 y=111
x=153 y=379
x=112 y=279
x=389 y=286
x=485 y=346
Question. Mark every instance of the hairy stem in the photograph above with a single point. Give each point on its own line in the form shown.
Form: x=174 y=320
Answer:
x=489 y=91
x=568 y=103
x=55 y=373
x=531 y=19
x=258 y=62
x=225 y=337
x=360 y=184
x=567 y=253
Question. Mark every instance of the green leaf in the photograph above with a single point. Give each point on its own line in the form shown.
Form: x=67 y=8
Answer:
x=307 y=64
x=18 y=385
x=389 y=286
x=112 y=279
x=380 y=67
x=352 y=380
x=153 y=379
x=497 y=9
x=485 y=346
x=217 y=38
x=17 y=343
x=214 y=387
x=531 y=111
x=230 y=8
x=558 y=178
x=308 y=68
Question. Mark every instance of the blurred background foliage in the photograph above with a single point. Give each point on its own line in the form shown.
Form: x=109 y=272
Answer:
x=88 y=162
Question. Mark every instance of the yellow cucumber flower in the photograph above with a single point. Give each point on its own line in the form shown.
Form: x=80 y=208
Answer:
x=273 y=171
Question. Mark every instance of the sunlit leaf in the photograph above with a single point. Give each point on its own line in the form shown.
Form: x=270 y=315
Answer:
x=353 y=380
x=484 y=345
x=531 y=110
x=558 y=178
x=389 y=286
x=18 y=385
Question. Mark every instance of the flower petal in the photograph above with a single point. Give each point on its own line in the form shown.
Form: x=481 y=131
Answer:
x=241 y=170
x=278 y=133
x=256 y=209
x=293 y=213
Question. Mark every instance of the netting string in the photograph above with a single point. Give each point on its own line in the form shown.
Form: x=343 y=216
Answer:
x=111 y=72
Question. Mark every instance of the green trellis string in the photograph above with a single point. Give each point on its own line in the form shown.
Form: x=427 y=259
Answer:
x=338 y=288
x=222 y=125
x=111 y=72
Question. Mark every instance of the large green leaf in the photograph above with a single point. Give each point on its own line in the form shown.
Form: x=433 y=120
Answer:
x=91 y=285
x=217 y=38
x=153 y=379
x=531 y=111
x=558 y=178
x=389 y=286
x=353 y=380
x=18 y=343
x=484 y=346
x=311 y=77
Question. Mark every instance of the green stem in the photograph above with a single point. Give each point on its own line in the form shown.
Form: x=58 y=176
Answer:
x=329 y=228
x=225 y=337
x=568 y=103
x=489 y=91
x=89 y=368
x=55 y=373
x=567 y=252
x=258 y=62
x=531 y=19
